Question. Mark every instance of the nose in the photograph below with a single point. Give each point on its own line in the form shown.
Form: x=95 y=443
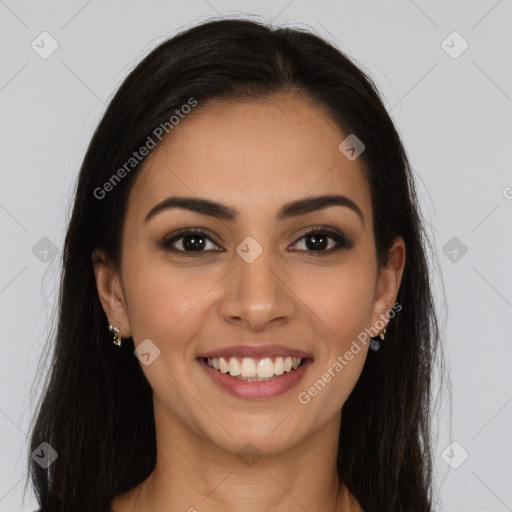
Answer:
x=257 y=296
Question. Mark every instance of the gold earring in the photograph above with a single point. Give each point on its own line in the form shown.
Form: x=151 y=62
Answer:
x=117 y=336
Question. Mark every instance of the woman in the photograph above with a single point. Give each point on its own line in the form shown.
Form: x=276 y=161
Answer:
x=245 y=235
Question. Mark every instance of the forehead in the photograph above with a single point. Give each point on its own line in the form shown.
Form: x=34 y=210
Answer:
x=251 y=154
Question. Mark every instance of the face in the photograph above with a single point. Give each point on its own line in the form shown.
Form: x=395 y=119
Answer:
x=260 y=279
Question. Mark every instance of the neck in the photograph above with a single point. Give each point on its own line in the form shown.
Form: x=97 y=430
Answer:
x=192 y=474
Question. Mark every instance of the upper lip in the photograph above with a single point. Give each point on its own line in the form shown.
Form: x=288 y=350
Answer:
x=256 y=352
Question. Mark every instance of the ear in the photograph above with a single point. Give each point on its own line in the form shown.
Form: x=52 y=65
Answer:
x=388 y=281
x=110 y=292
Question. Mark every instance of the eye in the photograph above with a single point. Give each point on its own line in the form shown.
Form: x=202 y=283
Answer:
x=195 y=240
x=316 y=240
x=191 y=240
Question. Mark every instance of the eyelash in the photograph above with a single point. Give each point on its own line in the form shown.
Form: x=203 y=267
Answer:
x=339 y=237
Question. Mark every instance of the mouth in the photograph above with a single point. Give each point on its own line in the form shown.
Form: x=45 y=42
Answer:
x=256 y=372
x=249 y=369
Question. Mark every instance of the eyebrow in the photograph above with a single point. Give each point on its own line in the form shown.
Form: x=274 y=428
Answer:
x=220 y=211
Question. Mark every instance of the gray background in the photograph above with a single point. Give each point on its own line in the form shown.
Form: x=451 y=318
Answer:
x=452 y=109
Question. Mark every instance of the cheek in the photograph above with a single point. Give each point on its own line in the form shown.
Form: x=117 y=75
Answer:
x=342 y=305
x=161 y=303
x=341 y=308
x=168 y=305
x=169 y=308
x=342 y=301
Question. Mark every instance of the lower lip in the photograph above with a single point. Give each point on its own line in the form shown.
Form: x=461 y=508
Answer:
x=257 y=390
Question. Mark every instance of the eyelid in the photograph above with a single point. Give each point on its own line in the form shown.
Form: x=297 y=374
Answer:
x=167 y=241
x=341 y=239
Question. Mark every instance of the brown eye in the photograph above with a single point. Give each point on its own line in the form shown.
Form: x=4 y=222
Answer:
x=191 y=241
x=317 y=240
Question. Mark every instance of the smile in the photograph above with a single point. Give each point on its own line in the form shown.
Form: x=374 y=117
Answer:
x=254 y=370
x=256 y=379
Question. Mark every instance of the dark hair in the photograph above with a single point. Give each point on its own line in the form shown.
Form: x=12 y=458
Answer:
x=96 y=409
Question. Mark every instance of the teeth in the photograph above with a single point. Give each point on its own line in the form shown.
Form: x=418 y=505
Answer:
x=223 y=365
x=254 y=369
x=265 y=368
x=278 y=366
x=248 y=368
x=234 y=367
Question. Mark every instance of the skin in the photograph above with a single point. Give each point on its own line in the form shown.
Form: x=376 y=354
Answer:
x=254 y=157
